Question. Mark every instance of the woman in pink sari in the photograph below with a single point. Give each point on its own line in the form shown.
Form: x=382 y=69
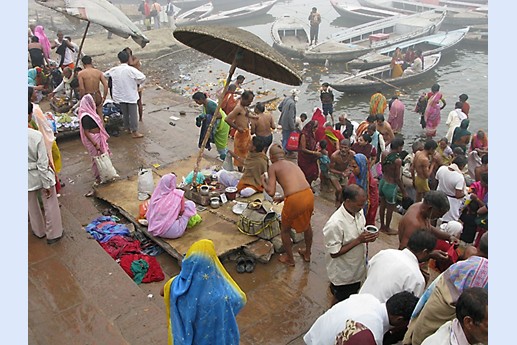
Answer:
x=396 y=118
x=93 y=134
x=168 y=212
x=39 y=32
x=432 y=111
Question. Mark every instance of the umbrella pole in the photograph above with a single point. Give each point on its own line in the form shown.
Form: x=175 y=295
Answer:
x=212 y=122
x=81 y=46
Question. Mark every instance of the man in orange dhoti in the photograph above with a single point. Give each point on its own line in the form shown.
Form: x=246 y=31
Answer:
x=298 y=202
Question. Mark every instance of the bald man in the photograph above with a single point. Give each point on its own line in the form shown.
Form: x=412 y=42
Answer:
x=298 y=202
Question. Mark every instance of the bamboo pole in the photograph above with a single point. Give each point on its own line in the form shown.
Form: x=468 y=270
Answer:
x=214 y=117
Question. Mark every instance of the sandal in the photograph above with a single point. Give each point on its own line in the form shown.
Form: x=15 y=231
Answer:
x=241 y=265
x=250 y=264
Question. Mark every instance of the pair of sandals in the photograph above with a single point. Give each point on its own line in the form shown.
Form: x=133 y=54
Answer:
x=245 y=264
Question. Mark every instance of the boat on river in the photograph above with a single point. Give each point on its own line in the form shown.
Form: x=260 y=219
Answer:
x=440 y=42
x=353 y=42
x=193 y=15
x=458 y=13
x=379 y=78
x=358 y=13
x=230 y=16
x=290 y=35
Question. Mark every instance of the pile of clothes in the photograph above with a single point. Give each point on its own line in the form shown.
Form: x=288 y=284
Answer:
x=116 y=240
x=113 y=119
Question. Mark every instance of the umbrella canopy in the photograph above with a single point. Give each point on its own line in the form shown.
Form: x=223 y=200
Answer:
x=254 y=55
x=100 y=12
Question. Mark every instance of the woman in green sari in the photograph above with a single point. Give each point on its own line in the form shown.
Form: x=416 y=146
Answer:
x=461 y=136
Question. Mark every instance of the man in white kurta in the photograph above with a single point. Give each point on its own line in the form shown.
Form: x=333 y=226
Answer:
x=367 y=310
x=345 y=244
x=452 y=182
x=392 y=270
x=125 y=82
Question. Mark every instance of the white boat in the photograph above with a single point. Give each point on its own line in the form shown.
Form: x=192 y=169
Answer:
x=440 y=42
x=478 y=36
x=477 y=14
x=195 y=14
x=353 y=42
x=230 y=16
x=358 y=13
x=379 y=78
x=290 y=35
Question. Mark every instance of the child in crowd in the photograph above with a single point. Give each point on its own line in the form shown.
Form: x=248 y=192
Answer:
x=324 y=161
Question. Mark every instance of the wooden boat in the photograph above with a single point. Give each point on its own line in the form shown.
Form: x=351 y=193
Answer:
x=353 y=42
x=455 y=10
x=186 y=5
x=195 y=14
x=379 y=78
x=440 y=42
x=230 y=16
x=290 y=35
x=358 y=13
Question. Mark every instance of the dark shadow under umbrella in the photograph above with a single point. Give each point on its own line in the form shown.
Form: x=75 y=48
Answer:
x=239 y=48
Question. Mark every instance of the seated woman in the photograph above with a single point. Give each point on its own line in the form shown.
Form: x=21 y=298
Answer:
x=363 y=145
x=169 y=212
x=253 y=167
x=203 y=300
x=396 y=63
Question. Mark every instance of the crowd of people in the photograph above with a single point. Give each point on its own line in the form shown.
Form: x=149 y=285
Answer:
x=440 y=189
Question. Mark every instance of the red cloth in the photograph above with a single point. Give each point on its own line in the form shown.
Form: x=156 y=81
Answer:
x=154 y=273
x=120 y=245
x=320 y=132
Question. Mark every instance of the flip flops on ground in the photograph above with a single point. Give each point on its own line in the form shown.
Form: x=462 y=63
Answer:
x=245 y=264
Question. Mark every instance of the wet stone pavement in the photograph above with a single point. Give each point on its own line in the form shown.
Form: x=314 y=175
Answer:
x=79 y=295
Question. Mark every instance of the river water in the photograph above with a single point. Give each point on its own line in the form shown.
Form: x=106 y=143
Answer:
x=464 y=70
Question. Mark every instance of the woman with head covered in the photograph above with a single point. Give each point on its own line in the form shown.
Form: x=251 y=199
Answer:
x=203 y=300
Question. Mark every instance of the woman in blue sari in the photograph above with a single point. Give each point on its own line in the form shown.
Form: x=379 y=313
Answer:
x=203 y=300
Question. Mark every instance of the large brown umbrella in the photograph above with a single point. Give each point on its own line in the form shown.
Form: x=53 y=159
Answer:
x=100 y=12
x=241 y=49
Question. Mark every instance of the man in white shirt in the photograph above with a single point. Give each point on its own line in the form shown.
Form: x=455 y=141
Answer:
x=125 y=81
x=471 y=323
x=169 y=10
x=392 y=270
x=345 y=241
x=378 y=318
x=452 y=182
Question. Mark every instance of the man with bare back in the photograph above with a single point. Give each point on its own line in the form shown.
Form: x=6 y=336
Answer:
x=264 y=125
x=423 y=165
x=390 y=184
x=384 y=128
x=239 y=118
x=90 y=79
x=298 y=202
x=419 y=216
x=338 y=172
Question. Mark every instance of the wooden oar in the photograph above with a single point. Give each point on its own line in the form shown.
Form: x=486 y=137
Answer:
x=385 y=82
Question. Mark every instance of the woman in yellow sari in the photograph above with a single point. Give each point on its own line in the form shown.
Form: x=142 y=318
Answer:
x=203 y=300
x=396 y=63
